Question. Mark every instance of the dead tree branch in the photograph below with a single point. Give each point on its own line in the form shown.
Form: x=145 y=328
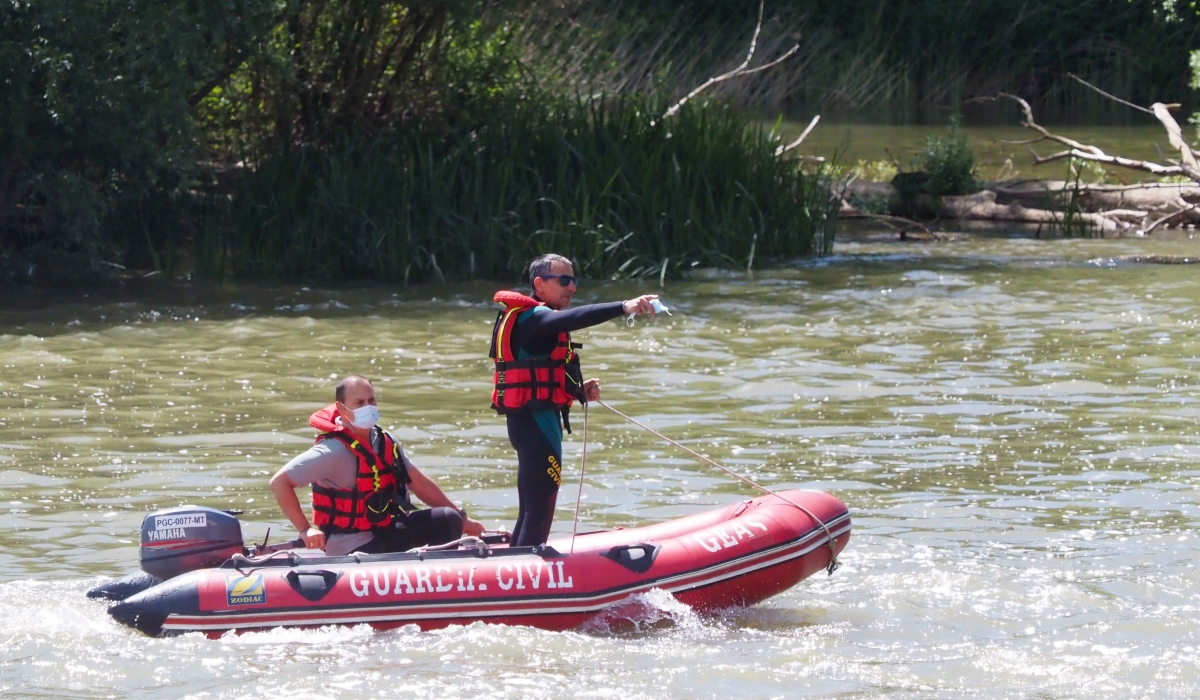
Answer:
x=799 y=140
x=1154 y=168
x=738 y=72
x=850 y=212
x=1175 y=136
x=1162 y=113
x=1172 y=215
x=1187 y=165
x=1114 y=98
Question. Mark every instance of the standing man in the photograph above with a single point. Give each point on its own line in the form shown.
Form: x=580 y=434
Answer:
x=361 y=480
x=538 y=377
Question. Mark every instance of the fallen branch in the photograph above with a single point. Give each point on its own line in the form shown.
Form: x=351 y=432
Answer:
x=1132 y=216
x=738 y=72
x=1024 y=142
x=850 y=211
x=982 y=206
x=1172 y=215
x=1175 y=136
x=1162 y=113
x=1186 y=166
x=1145 y=166
x=803 y=135
x=1114 y=98
x=1109 y=207
x=1156 y=198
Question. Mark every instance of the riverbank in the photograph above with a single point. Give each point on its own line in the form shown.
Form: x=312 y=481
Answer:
x=1055 y=207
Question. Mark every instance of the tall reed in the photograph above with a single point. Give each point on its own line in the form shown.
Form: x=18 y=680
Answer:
x=901 y=59
x=602 y=181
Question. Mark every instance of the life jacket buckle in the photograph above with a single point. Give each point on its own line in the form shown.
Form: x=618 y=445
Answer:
x=379 y=506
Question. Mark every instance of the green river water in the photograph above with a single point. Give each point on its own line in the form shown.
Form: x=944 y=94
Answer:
x=1013 y=423
x=1002 y=151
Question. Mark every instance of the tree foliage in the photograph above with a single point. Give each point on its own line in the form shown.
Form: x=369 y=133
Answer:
x=96 y=112
x=336 y=68
x=122 y=122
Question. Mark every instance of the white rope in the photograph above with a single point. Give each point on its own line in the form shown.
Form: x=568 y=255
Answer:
x=468 y=541
x=582 y=467
x=833 y=562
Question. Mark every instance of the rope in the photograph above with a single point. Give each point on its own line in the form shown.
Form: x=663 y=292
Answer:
x=582 y=468
x=241 y=560
x=467 y=542
x=833 y=562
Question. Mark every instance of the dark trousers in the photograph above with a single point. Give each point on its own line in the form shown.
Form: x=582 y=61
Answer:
x=539 y=471
x=417 y=529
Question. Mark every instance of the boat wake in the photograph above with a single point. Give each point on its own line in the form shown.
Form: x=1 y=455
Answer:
x=640 y=613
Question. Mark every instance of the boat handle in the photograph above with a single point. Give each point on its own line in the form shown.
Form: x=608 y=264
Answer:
x=313 y=585
x=638 y=558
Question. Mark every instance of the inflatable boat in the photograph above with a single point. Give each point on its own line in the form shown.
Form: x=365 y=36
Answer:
x=199 y=576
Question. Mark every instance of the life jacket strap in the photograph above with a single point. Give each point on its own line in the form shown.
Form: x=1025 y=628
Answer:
x=505 y=365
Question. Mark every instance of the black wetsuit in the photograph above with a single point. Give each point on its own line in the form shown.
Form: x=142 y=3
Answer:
x=536 y=433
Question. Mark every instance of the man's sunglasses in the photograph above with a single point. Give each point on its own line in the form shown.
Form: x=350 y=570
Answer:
x=563 y=280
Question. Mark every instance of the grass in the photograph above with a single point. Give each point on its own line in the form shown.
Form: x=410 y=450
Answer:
x=604 y=182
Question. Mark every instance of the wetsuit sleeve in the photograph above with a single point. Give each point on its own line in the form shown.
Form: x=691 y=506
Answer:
x=551 y=323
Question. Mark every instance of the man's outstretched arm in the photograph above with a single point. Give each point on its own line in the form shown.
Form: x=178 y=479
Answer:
x=548 y=323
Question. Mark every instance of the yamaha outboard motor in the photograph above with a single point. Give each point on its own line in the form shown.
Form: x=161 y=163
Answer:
x=176 y=541
x=185 y=538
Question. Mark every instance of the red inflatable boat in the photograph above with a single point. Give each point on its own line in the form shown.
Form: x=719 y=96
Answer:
x=737 y=555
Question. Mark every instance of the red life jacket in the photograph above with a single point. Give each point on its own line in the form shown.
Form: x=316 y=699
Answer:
x=552 y=381
x=380 y=482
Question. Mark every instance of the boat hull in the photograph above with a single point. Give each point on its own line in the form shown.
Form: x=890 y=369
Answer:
x=732 y=556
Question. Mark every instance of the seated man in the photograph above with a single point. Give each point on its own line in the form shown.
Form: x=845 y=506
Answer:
x=361 y=480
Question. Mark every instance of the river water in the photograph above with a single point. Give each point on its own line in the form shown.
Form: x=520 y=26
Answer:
x=1011 y=421
x=1002 y=150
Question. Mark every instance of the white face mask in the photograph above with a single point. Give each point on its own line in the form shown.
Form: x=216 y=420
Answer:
x=365 y=417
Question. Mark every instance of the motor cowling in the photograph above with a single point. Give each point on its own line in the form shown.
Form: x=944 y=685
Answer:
x=185 y=538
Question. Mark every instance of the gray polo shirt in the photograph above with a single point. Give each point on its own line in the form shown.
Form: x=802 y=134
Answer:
x=331 y=464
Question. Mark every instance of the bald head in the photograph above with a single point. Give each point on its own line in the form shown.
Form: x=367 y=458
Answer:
x=352 y=388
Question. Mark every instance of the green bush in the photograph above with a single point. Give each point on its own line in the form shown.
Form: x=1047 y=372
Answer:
x=950 y=163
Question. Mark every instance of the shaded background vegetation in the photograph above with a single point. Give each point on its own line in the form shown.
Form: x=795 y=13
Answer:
x=895 y=60
x=452 y=138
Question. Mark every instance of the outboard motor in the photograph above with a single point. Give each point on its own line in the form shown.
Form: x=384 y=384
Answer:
x=176 y=541
x=185 y=538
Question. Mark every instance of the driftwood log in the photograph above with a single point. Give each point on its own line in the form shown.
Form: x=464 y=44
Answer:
x=982 y=206
x=1158 y=199
x=1107 y=208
